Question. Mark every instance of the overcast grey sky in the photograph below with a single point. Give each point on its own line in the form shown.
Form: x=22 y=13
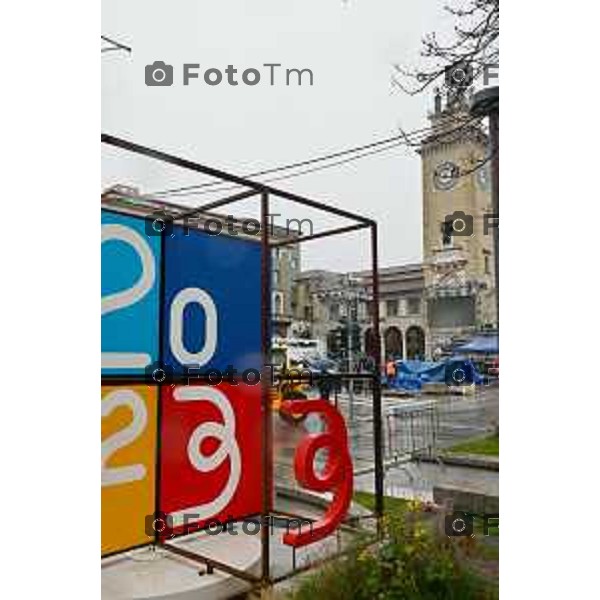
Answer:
x=349 y=46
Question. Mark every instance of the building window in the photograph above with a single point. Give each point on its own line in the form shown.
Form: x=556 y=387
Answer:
x=278 y=303
x=334 y=312
x=446 y=229
x=413 y=306
x=275 y=278
x=391 y=308
x=486 y=262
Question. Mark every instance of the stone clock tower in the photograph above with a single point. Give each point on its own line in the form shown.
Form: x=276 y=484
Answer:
x=457 y=253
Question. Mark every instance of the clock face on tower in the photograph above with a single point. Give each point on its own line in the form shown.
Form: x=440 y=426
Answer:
x=445 y=175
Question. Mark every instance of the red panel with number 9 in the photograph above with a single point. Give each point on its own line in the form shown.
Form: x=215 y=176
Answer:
x=210 y=452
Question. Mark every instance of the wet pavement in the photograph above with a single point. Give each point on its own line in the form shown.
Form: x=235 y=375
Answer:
x=411 y=425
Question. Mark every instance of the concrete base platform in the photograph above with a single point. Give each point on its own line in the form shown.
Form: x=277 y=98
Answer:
x=466 y=500
x=161 y=575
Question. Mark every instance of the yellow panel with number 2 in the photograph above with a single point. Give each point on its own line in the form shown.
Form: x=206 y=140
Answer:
x=128 y=464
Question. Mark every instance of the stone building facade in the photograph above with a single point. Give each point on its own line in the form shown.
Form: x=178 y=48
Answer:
x=425 y=307
x=285 y=270
x=324 y=301
x=402 y=313
x=458 y=261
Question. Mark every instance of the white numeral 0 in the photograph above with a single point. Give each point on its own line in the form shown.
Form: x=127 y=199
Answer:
x=124 y=298
x=181 y=300
x=123 y=437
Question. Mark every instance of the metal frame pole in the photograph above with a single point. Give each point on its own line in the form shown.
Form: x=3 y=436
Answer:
x=159 y=387
x=377 y=425
x=267 y=434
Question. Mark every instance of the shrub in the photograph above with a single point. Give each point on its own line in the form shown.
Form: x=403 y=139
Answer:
x=411 y=563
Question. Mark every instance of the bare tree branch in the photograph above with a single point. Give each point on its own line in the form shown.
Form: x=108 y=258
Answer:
x=475 y=42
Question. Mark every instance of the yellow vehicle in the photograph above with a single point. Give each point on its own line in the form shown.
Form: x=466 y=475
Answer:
x=282 y=356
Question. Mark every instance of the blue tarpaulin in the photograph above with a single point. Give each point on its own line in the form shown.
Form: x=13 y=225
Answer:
x=483 y=344
x=412 y=374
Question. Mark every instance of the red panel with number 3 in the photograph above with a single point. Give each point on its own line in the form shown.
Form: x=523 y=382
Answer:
x=210 y=452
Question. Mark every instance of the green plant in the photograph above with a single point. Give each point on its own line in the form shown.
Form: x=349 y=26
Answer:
x=390 y=504
x=410 y=563
x=488 y=446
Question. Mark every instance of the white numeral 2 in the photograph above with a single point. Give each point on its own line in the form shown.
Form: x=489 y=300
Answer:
x=124 y=298
x=123 y=437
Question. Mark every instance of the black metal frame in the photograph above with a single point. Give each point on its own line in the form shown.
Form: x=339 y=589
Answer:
x=265 y=191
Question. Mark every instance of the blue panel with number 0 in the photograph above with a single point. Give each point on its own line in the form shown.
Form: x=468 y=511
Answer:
x=212 y=302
